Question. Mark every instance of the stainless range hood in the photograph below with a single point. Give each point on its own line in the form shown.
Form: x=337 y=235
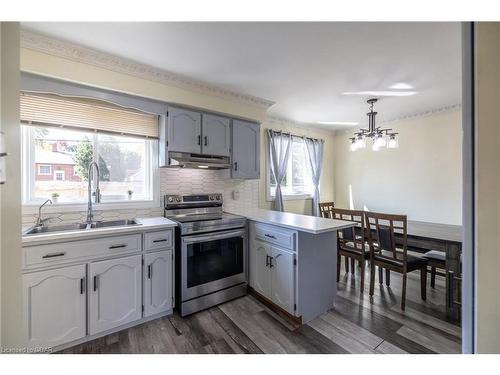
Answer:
x=198 y=161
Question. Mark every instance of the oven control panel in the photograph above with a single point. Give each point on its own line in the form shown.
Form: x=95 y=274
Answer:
x=197 y=200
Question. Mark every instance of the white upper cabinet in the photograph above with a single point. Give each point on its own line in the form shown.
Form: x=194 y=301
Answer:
x=184 y=130
x=216 y=135
x=245 y=150
x=158 y=282
x=55 y=306
x=283 y=278
x=115 y=293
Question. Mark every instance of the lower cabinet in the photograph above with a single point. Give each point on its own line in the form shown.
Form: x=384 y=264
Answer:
x=158 y=282
x=55 y=306
x=115 y=296
x=272 y=273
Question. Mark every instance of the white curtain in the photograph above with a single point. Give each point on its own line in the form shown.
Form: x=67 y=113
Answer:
x=279 y=152
x=314 y=149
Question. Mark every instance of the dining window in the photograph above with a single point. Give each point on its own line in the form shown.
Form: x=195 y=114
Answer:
x=297 y=182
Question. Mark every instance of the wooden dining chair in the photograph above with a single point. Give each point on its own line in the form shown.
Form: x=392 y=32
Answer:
x=382 y=230
x=325 y=209
x=351 y=241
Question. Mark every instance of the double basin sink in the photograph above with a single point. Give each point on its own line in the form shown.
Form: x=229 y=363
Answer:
x=79 y=226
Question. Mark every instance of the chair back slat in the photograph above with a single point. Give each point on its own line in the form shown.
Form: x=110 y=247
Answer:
x=381 y=231
x=352 y=237
x=325 y=209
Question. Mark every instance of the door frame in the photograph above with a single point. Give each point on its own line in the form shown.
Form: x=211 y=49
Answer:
x=468 y=184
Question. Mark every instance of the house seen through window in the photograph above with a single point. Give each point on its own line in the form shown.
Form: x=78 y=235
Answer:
x=59 y=158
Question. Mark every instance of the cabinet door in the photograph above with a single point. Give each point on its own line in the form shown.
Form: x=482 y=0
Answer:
x=55 y=306
x=216 y=135
x=260 y=275
x=115 y=293
x=184 y=130
x=246 y=150
x=282 y=279
x=157 y=282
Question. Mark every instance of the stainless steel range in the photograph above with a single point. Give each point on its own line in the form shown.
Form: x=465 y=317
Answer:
x=211 y=251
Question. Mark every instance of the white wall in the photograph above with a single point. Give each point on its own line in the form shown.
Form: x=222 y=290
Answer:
x=10 y=210
x=422 y=178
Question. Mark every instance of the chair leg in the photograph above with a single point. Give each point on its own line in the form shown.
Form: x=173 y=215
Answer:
x=387 y=277
x=433 y=277
x=346 y=259
x=362 y=281
x=380 y=275
x=353 y=266
x=403 y=293
x=423 y=282
x=372 y=278
x=338 y=267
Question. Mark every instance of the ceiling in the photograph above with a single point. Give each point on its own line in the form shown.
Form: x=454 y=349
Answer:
x=303 y=67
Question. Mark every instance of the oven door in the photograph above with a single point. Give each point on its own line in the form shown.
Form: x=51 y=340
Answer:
x=211 y=262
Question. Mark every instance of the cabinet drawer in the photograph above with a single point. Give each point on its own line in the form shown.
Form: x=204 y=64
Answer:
x=76 y=250
x=274 y=235
x=158 y=240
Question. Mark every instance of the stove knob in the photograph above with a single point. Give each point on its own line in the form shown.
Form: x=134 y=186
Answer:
x=178 y=199
x=210 y=197
x=170 y=199
x=218 y=197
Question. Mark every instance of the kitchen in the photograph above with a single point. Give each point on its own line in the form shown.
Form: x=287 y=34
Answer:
x=160 y=209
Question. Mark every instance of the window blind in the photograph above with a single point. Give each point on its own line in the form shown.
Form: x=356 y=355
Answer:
x=89 y=114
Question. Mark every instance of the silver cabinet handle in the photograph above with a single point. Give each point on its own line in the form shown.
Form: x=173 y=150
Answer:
x=270 y=236
x=235 y=165
x=149 y=272
x=267 y=260
x=162 y=240
x=117 y=246
x=205 y=138
x=53 y=255
x=199 y=140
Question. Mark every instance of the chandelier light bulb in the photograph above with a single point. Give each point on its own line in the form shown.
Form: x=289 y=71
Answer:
x=393 y=142
x=353 y=147
x=360 y=142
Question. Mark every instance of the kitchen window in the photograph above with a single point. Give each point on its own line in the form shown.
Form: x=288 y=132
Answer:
x=125 y=164
x=62 y=136
x=297 y=183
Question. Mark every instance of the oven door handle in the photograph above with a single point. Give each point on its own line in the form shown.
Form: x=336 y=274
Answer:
x=218 y=236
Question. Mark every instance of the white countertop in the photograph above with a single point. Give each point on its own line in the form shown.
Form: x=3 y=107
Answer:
x=302 y=223
x=147 y=224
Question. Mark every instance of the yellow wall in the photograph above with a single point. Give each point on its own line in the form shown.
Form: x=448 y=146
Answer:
x=422 y=178
x=57 y=67
x=487 y=81
x=10 y=209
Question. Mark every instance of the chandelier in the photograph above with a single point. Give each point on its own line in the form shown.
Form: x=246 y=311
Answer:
x=380 y=137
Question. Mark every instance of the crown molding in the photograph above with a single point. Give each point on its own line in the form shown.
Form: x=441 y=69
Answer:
x=77 y=53
x=302 y=125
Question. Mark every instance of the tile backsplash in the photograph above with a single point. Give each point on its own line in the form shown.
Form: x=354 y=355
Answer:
x=175 y=181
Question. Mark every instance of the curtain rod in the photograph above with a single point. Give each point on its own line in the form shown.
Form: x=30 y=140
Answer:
x=296 y=136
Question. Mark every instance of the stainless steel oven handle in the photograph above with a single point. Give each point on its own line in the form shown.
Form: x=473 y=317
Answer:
x=218 y=236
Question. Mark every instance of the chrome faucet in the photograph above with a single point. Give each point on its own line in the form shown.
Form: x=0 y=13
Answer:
x=97 y=192
x=40 y=221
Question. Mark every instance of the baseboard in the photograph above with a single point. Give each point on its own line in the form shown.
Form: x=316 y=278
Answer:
x=275 y=308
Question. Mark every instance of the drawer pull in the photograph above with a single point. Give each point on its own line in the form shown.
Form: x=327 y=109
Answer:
x=161 y=240
x=270 y=236
x=117 y=246
x=149 y=272
x=53 y=255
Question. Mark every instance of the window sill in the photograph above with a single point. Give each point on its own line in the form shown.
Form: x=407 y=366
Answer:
x=32 y=208
x=295 y=197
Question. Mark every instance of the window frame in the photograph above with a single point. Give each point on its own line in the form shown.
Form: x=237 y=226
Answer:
x=28 y=180
x=286 y=196
x=44 y=174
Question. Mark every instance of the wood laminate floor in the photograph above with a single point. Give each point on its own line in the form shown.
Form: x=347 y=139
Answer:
x=357 y=324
